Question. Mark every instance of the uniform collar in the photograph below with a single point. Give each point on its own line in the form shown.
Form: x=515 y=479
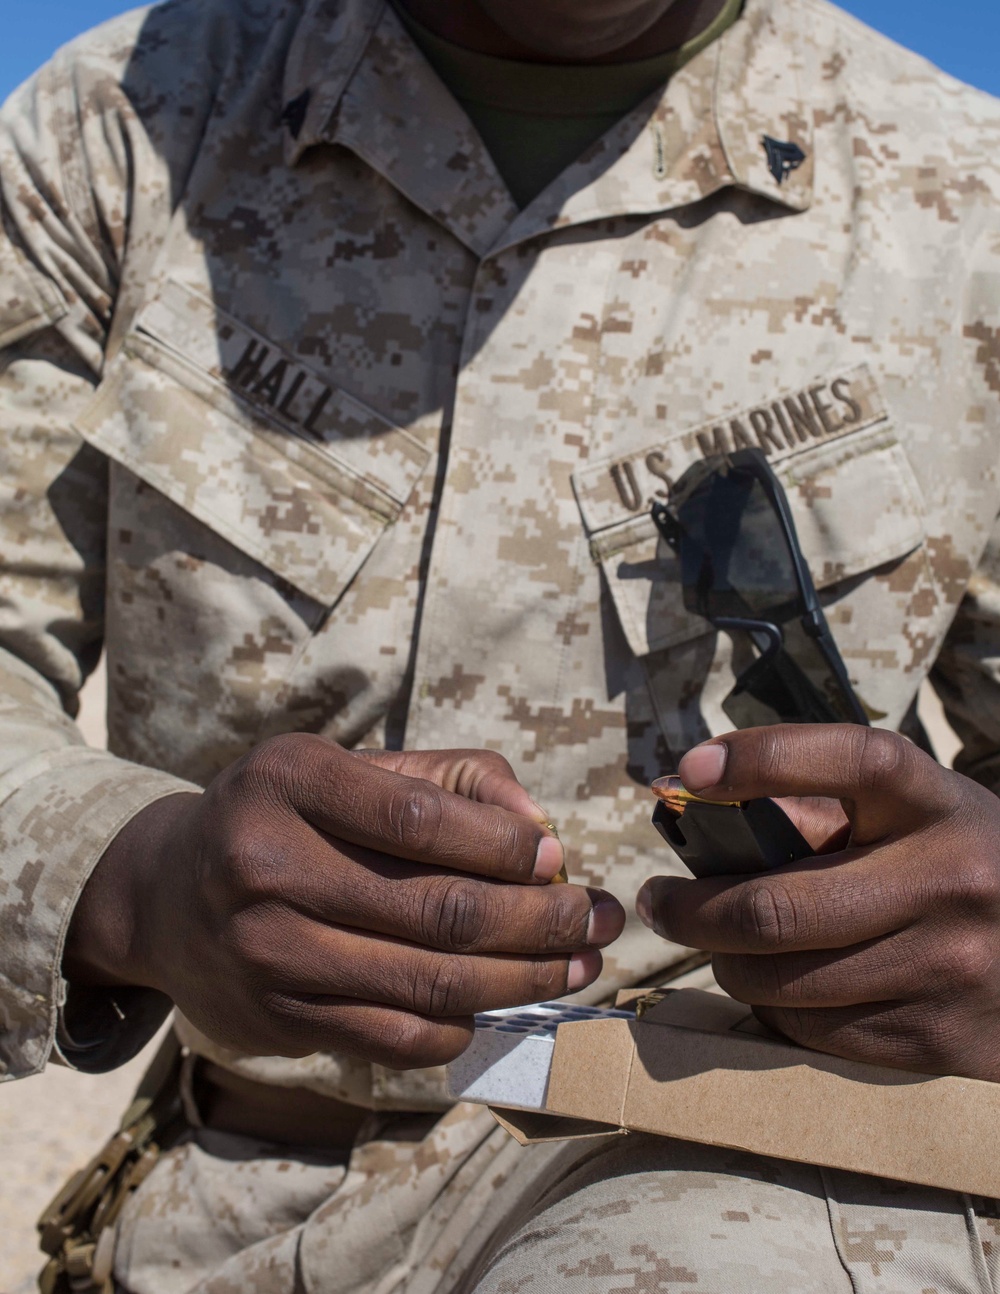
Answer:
x=355 y=78
x=372 y=91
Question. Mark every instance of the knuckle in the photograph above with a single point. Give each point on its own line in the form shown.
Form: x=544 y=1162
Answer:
x=294 y=1023
x=516 y=845
x=917 y=1037
x=784 y=981
x=807 y=1028
x=810 y=1029
x=484 y=766
x=754 y=980
x=933 y=1043
x=771 y=755
x=267 y=764
x=963 y=967
x=494 y=762
x=269 y=1003
x=403 y=1041
x=730 y=976
x=974 y=886
x=254 y=869
x=765 y=915
x=565 y=927
x=249 y=948
x=442 y=988
x=879 y=756
x=493 y=775
x=455 y=914
x=544 y=979
x=281 y=765
x=510 y=845
x=415 y=814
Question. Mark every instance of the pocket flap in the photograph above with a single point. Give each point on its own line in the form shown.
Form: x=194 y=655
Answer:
x=309 y=509
x=854 y=498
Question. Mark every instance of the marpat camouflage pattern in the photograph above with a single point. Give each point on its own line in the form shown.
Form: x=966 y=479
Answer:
x=315 y=431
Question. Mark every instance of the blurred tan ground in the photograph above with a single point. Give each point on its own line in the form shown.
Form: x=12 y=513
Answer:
x=52 y=1124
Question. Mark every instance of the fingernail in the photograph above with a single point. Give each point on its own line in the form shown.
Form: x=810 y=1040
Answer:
x=704 y=766
x=549 y=859
x=644 y=907
x=584 y=968
x=605 y=921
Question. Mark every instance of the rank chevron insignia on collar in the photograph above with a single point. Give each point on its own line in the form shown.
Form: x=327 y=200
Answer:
x=782 y=158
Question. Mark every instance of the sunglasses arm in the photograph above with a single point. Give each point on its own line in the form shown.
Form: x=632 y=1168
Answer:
x=767 y=637
x=834 y=660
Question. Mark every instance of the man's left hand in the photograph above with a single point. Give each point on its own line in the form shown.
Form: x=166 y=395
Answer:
x=887 y=950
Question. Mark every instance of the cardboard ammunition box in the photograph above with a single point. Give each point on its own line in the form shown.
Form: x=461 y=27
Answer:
x=699 y=1067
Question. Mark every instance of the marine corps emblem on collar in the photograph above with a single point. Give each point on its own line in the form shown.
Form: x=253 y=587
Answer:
x=782 y=157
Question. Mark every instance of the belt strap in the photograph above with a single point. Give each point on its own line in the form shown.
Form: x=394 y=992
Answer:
x=228 y=1102
x=77 y=1229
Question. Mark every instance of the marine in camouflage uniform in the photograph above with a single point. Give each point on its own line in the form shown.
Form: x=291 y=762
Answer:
x=315 y=430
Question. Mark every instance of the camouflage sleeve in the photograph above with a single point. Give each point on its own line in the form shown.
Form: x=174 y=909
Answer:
x=966 y=675
x=65 y=159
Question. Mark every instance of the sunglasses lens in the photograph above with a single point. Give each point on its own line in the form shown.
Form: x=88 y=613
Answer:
x=735 y=558
x=796 y=684
x=741 y=568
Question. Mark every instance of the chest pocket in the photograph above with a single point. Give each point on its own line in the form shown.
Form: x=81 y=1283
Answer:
x=853 y=496
x=260 y=448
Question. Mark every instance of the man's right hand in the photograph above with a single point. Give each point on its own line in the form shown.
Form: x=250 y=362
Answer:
x=317 y=899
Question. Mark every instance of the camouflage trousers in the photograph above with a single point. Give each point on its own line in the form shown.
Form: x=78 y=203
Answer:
x=455 y=1205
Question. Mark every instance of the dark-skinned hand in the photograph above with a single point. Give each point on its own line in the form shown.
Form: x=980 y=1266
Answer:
x=886 y=949
x=317 y=899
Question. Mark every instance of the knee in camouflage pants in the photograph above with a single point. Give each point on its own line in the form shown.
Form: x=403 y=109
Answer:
x=461 y=1207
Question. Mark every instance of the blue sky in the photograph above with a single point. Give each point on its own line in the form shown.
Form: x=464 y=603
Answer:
x=962 y=36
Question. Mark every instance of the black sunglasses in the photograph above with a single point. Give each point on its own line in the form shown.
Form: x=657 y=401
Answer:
x=743 y=570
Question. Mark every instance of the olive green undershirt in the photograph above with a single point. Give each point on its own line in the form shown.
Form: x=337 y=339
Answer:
x=537 y=118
